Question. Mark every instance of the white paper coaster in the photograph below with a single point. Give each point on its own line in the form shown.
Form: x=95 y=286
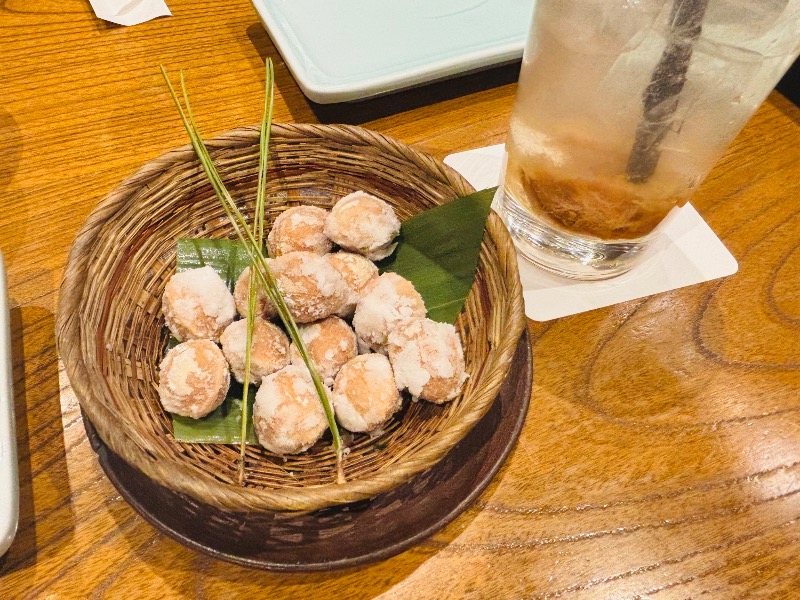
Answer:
x=129 y=12
x=685 y=253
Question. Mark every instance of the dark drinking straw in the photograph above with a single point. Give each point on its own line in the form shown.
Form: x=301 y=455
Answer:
x=660 y=99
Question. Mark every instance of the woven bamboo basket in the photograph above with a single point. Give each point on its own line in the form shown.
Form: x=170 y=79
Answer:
x=111 y=335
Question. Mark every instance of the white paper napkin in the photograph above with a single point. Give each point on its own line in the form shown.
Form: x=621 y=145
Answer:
x=685 y=253
x=129 y=12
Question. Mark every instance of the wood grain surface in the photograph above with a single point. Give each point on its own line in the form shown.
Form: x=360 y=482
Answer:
x=661 y=455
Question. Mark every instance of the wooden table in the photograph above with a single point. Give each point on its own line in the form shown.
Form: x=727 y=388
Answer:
x=661 y=454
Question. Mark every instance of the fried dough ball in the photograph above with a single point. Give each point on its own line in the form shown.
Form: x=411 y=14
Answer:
x=362 y=223
x=193 y=379
x=269 y=351
x=357 y=271
x=427 y=359
x=365 y=394
x=299 y=228
x=312 y=288
x=197 y=305
x=241 y=295
x=386 y=301
x=330 y=344
x=287 y=415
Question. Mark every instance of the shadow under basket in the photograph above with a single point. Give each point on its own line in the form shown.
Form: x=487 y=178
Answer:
x=111 y=336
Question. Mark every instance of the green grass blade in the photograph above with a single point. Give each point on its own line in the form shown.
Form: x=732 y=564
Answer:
x=258 y=225
x=261 y=268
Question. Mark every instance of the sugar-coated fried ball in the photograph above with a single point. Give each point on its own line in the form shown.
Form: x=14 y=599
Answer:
x=241 y=294
x=427 y=359
x=365 y=394
x=299 y=228
x=193 y=379
x=330 y=344
x=357 y=271
x=362 y=223
x=287 y=415
x=387 y=300
x=311 y=287
x=269 y=351
x=197 y=305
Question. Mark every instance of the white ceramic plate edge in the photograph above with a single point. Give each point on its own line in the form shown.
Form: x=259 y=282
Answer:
x=323 y=93
x=9 y=483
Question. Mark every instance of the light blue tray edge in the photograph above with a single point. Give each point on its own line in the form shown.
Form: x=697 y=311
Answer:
x=9 y=482
x=326 y=93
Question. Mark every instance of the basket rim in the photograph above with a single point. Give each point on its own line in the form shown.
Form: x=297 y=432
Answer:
x=133 y=448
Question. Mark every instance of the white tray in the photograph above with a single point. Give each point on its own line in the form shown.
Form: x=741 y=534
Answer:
x=343 y=50
x=9 y=485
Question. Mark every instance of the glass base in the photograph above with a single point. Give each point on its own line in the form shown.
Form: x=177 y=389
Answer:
x=564 y=253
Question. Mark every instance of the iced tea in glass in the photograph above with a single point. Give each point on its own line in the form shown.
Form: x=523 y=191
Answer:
x=623 y=107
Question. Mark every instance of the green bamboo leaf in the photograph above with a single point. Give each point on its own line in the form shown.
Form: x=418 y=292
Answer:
x=438 y=252
x=227 y=258
x=223 y=425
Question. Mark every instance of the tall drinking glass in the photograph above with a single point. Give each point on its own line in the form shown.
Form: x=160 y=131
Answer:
x=623 y=107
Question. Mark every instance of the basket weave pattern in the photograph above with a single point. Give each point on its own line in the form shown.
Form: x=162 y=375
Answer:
x=111 y=335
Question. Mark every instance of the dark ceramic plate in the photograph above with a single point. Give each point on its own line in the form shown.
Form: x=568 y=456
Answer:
x=347 y=535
